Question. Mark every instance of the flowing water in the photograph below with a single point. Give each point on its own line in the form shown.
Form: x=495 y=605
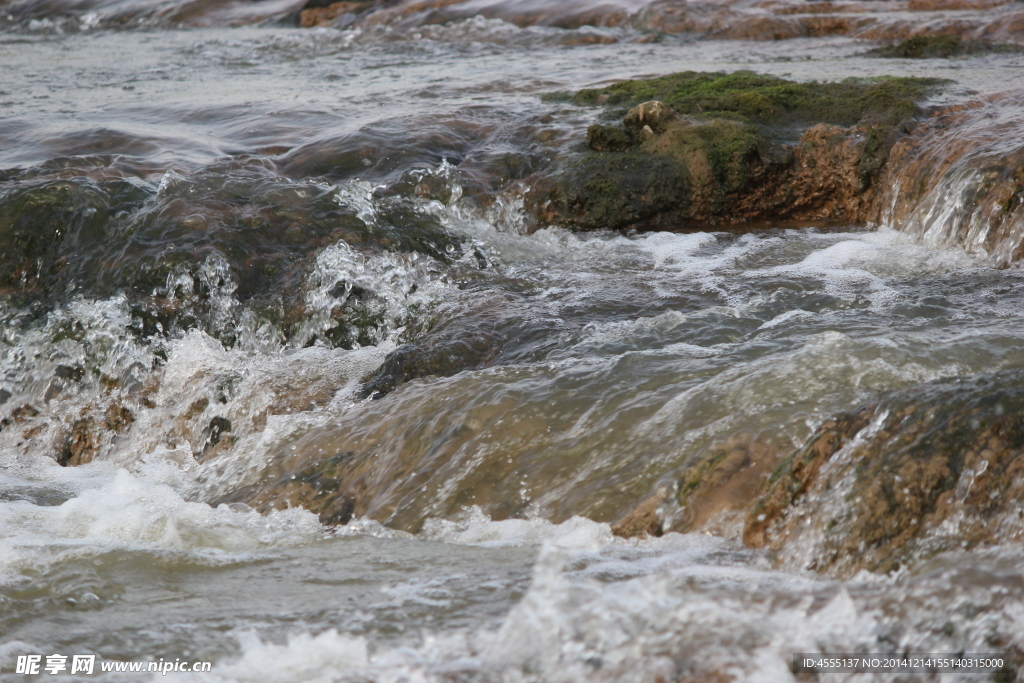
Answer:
x=218 y=235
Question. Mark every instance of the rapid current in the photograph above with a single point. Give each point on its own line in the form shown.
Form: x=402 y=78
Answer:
x=250 y=219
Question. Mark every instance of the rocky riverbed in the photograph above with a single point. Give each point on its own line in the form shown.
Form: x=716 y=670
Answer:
x=511 y=341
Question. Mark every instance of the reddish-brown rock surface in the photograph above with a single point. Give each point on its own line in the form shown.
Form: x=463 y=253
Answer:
x=888 y=20
x=325 y=16
x=958 y=179
x=929 y=468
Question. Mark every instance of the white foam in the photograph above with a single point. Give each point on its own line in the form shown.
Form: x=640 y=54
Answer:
x=110 y=509
x=860 y=263
x=395 y=282
x=304 y=658
x=476 y=528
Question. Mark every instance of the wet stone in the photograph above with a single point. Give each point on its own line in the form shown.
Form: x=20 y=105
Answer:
x=81 y=445
x=324 y=13
x=647 y=519
x=733 y=148
x=318 y=487
x=933 y=467
x=218 y=426
x=941 y=46
x=653 y=114
x=431 y=358
x=230 y=236
x=75 y=374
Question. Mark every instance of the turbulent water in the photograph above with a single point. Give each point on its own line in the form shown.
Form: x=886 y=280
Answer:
x=228 y=231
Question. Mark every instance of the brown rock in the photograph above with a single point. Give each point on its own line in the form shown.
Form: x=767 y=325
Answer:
x=933 y=5
x=316 y=487
x=324 y=16
x=958 y=180
x=723 y=19
x=118 y=417
x=588 y=39
x=679 y=16
x=761 y=28
x=82 y=444
x=825 y=7
x=573 y=15
x=715 y=493
x=833 y=172
x=647 y=519
x=816 y=27
x=24 y=412
x=653 y=114
x=934 y=467
x=92 y=430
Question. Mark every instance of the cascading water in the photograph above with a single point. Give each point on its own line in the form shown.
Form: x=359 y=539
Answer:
x=296 y=379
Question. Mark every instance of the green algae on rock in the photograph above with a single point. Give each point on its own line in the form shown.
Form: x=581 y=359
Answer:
x=172 y=249
x=942 y=46
x=762 y=99
x=701 y=149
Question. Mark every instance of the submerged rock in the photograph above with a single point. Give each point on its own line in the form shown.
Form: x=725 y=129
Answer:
x=431 y=358
x=199 y=248
x=568 y=15
x=46 y=224
x=317 y=488
x=998 y=20
x=339 y=14
x=958 y=180
x=934 y=467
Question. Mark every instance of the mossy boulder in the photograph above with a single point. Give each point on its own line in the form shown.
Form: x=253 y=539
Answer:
x=619 y=190
x=728 y=148
x=761 y=99
x=178 y=251
x=941 y=46
x=609 y=138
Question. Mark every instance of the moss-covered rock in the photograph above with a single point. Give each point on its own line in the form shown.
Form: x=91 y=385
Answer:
x=942 y=45
x=762 y=99
x=621 y=189
x=602 y=138
x=178 y=251
x=728 y=148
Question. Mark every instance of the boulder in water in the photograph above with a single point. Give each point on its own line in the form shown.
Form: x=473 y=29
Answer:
x=938 y=466
x=731 y=148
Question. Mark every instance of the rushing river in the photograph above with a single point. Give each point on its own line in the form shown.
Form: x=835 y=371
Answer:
x=252 y=219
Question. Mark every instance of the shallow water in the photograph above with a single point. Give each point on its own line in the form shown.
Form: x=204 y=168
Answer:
x=252 y=219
